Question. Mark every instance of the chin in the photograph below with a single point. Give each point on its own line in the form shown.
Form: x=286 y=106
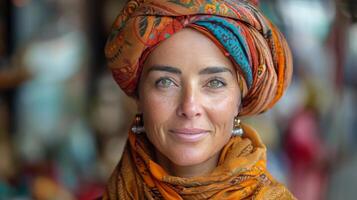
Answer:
x=188 y=157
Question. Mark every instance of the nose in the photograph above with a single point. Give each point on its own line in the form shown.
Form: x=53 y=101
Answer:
x=190 y=104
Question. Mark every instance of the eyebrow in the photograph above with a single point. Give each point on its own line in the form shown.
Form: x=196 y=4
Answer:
x=214 y=70
x=205 y=71
x=165 y=68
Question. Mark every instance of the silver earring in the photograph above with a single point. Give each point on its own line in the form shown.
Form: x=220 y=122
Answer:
x=138 y=125
x=237 y=128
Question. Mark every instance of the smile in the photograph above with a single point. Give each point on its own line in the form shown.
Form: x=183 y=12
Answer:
x=189 y=134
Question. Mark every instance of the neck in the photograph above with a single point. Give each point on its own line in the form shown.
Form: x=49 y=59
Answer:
x=187 y=171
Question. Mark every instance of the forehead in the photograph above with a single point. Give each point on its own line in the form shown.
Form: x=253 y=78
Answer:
x=188 y=50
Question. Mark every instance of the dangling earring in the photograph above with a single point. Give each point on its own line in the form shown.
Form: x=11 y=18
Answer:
x=139 y=125
x=237 y=128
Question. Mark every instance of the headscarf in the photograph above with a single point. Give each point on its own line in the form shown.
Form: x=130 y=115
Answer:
x=241 y=174
x=254 y=45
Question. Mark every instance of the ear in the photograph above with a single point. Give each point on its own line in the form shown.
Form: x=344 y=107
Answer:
x=238 y=107
x=138 y=104
x=239 y=103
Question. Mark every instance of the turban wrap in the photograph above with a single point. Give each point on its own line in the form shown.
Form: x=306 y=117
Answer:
x=254 y=45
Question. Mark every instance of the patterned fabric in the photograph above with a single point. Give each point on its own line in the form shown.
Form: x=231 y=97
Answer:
x=241 y=174
x=256 y=47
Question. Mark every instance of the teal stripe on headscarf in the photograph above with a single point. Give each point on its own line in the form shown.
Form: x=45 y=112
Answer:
x=231 y=38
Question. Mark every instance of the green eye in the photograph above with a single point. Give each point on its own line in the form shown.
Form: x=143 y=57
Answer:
x=216 y=84
x=164 y=82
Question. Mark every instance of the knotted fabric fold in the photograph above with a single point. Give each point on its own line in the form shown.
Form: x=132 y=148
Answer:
x=241 y=174
x=257 y=48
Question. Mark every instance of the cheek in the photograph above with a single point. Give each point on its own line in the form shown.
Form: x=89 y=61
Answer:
x=221 y=112
x=224 y=106
x=156 y=109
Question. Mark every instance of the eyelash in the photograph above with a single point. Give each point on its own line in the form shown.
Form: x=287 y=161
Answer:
x=159 y=83
x=220 y=81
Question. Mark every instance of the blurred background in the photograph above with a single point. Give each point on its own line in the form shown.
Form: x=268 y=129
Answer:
x=63 y=120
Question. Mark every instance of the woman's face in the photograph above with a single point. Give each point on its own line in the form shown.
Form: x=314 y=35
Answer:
x=189 y=96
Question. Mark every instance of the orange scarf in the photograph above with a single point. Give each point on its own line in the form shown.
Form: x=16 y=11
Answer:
x=241 y=174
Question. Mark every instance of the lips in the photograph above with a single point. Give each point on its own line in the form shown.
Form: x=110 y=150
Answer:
x=189 y=134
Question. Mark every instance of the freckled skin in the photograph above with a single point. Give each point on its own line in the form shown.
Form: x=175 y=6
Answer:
x=188 y=99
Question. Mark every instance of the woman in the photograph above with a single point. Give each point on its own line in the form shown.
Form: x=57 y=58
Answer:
x=194 y=67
